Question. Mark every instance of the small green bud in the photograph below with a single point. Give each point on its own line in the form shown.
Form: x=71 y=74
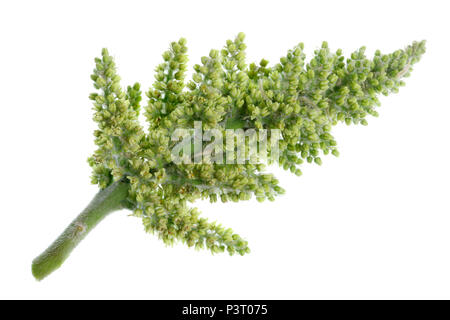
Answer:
x=240 y=37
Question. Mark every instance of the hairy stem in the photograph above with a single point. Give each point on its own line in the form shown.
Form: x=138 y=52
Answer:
x=105 y=201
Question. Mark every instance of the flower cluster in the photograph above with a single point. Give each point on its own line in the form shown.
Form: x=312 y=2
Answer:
x=303 y=100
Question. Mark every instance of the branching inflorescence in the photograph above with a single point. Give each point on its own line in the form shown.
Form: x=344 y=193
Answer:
x=302 y=100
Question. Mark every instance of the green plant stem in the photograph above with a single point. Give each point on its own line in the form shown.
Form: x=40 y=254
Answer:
x=105 y=201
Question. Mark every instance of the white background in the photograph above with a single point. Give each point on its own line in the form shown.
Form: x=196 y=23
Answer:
x=373 y=223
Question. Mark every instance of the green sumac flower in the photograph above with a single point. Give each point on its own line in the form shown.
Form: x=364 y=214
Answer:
x=301 y=100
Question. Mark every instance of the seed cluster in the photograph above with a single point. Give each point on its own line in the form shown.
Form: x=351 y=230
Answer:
x=303 y=100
